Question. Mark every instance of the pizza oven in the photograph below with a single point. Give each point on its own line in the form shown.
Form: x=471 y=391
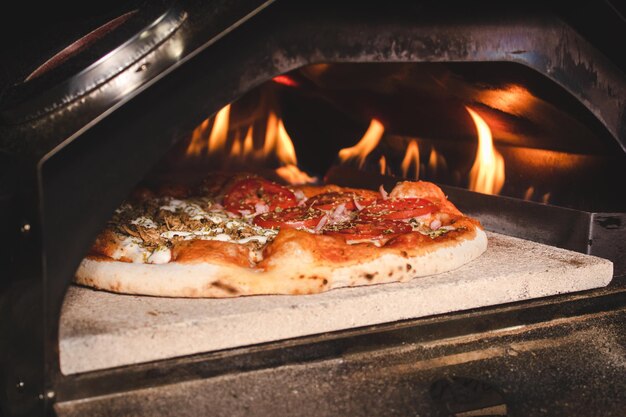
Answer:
x=517 y=111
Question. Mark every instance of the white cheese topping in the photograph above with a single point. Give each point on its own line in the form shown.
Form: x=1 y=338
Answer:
x=223 y=228
x=144 y=222
x=131 y=248
x=194 y=211
x=212 y=235
x=216 y=224
x=260 y=239
x=160 y=255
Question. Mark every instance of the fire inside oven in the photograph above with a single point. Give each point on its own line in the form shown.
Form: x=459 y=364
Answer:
x=492 y=128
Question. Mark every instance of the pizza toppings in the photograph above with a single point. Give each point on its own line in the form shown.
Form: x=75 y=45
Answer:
x=251 y=194
x=397 y=209
x=254 y=209
x=360 y=231
x=229 y=244
x=147 y=229
x=331 y=200
x=161 y=255
x=383 y=192
x=292 y=218
x=130 y=249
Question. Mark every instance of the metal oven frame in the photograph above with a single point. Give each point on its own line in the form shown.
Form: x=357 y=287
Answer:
x=79 y=147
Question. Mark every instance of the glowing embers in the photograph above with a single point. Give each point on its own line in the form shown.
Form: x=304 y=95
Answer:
x=231 y=145
x=487 y=173
x=285 y=80
x=512 y=99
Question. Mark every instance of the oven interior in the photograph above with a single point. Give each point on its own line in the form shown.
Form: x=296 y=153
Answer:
x=374 y=124
x=412 y=121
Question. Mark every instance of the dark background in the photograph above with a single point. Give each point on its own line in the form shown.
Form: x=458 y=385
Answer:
x=32 y=32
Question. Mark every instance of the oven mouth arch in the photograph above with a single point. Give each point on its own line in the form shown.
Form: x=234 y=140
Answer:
x=251 y=75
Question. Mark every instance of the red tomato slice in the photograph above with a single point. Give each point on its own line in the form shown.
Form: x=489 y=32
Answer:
x=361 y=230
x=245 y=194
x=292 y=218
x=397 y=209
x=329 y=201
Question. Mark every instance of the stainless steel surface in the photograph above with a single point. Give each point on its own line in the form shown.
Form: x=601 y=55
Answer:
x=109 y=66
x=598 y=234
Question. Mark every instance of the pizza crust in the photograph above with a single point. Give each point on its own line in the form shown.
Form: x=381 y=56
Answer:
x=293 y=268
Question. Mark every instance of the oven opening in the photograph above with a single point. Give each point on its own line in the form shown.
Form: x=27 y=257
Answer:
x=516 y=111
x=490 y=130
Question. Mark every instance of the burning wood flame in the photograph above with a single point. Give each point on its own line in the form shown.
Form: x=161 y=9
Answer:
x=287 y=155
x=368 y=142
x=528 y=195
x=284 y=146
x=211 y=138
x=382 y=163
x=530 y=192
x=293 y=175
x=411 y=157
x=487 y=173
x=436 y=163
x=219 y=133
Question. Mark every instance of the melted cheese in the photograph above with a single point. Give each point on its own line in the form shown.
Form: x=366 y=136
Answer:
x=160 y=255
x=223 y=227
x=132 y=249
x=144 y=222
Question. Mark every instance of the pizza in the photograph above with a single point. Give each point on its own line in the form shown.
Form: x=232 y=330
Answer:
x=239 y=235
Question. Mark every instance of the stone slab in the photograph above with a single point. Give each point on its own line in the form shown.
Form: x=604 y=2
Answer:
x=102 y=330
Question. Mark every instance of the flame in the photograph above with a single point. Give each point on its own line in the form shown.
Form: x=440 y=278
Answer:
x=487 y=173
x=248 y=146
x=293 y=175
x=368 y=142
x=545 y=199
x=382 y=163
x=528 y=194
x=432 y=160
x=240 y=150
x=270 y=135
x=411 y=157
x=277 y=146
x=219 y=133
x=216 y=137
x=235 y=149
x=436 y=162
x=284 y=146
x=198 y=141
x=286 y=153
